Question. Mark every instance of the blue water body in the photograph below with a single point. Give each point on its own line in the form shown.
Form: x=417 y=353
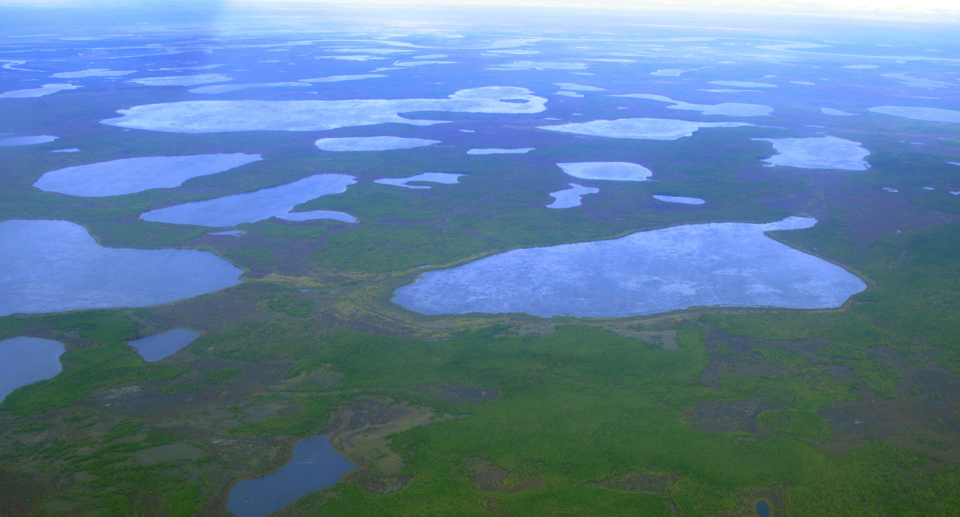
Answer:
x=158 y=346
x=315 y=466
x=54 y=266
x=763 y=509
x=26 y=360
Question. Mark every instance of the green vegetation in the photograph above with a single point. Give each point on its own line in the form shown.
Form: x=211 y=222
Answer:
x=221 y=376
x=795 y=422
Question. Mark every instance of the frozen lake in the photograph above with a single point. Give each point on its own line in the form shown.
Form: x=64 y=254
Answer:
x=92 y=72
x=156 y=347
x=42 y=91
x=570 y=197
x=315 y=466
x=430 y=177
x=639 y=128
x=12 y=141
x=915 y=113
x=615 y=171
x=828 y=152
x=55 y=266
x=26 y=360
x=248 y=115
x=733 y=109
x=129 y=175
x=372 y=143
x=519 y=150
x=715 y=264
x=679 y=199
x=182 y=80
x=256 y=206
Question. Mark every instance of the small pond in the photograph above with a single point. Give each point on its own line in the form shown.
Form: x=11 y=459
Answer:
x=315 y=466
x=26 y=360
x=158 y=346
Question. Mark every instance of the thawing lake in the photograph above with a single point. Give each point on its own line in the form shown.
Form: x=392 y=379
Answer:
x=733 y=109
x=372 y=143
x=54 y=266
x=714 y=264
x=130 y=175
x=26 y=140
x=570 y=197
x=156 y=347
x=256 y=206
x=679 y=199
x=828 y=152
x=639 y=128
x=26 y=360
x=614 y=171
x=315 y=466
x=445 y=178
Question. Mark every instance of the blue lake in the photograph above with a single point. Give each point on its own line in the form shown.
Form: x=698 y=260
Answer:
x=54 y=266
x=763 y=509
x=158 y=346
x=26 y=360
x=315 y=466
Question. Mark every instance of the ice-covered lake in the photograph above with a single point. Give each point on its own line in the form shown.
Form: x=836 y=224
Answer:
x=318 y=115
x=828 y=152
x=571 y=197
x=614 y=171
x=639 y=128
x=733 y=109
x=256 y=206
x=679 y=199
x=42 y=91
x=918 y=113
x=12 y=141
x=54 y=266
x=26 y=360
x=444 y=178
x=371 y=143
x=130 y=175
x=714 y=264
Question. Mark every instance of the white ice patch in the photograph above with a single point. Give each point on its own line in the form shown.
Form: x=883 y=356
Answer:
x=574 y=87
x=46 y=89
x=835 y=112
x=861 y=67
x=182 y=80
x=643 y=273
x=93 y=72
x=804 y=83
x=428 y=177
x=185 y=68
x=227 y=88
x=616 y=171
x=421 y=63
x=430 y=56
x=669 y=72
x=259 y=205
x=539 y=65
x=372 y=143
x=70 y=150
x=519 y=150
x=570 y=197
x=639 y=128
x=915 y=113
x=680 y=199
x=743 y=84
x=828 y=152
x=724 y=90
x=891 y=190
x=26 y=140
x=341 y=78
x=568 y=94
x=244 y=115
x=129 y=175
x=55 y=266
x=733 y=109
x=917 y=82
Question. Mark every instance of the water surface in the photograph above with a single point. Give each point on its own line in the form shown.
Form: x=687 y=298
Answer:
x=54 y=266
x=26 y=360
x=718 y=264
x=156 y=347
x=315 y=466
